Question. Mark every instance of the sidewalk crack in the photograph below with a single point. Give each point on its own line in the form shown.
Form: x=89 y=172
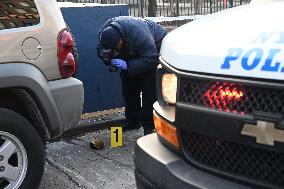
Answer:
x=104 y=157
x=68 y=173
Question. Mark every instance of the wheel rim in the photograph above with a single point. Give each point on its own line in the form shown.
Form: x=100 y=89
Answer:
x=13 y=161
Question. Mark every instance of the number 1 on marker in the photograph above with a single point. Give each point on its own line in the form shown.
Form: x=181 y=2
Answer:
x=116 y=136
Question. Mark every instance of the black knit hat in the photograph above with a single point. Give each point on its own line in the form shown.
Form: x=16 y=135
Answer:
x=110 y=37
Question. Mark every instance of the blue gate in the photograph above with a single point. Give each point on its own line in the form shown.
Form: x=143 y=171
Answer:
x=102 y=88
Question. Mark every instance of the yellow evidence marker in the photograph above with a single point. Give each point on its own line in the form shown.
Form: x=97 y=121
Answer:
x=116 y=136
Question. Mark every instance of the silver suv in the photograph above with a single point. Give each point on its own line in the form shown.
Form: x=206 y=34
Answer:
x=39 y=98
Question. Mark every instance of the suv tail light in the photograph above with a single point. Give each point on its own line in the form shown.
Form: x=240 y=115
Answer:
x=66 y=60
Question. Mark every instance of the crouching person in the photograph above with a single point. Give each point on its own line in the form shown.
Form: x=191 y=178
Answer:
x=135 y=43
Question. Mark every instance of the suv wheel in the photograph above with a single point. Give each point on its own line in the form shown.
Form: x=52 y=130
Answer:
x=21 y=152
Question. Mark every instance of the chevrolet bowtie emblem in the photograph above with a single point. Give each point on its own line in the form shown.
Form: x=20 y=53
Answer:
x=265 y=132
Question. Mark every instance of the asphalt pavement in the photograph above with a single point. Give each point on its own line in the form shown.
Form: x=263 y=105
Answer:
x=72 y=164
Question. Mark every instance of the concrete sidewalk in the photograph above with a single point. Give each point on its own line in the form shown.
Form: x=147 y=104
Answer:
x=71 y=163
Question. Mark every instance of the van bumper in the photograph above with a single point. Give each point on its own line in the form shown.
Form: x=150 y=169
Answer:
x=156 y=167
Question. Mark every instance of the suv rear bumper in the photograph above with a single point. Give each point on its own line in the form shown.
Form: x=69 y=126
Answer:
x=69 y=98
x=60 y=102
x=158 y=167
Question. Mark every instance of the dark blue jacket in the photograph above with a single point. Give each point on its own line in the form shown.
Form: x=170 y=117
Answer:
x=142 y=41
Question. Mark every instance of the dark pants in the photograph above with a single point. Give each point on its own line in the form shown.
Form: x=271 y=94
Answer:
x=131 y=89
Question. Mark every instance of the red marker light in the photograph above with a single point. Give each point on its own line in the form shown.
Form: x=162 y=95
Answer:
x=224 y=96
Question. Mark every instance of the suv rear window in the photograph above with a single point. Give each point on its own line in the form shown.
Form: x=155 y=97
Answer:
x=18 y=13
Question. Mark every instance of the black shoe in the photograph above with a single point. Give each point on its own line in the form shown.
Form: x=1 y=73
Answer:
x=124 y=129
x=148 y=131
x=128 y=126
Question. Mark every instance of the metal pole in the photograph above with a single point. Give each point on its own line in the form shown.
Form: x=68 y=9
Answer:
x=141 y=6
x=210 y=6
x=231 y=3
x=177 y=3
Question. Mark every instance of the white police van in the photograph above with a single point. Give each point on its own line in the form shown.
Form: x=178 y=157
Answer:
x=220 y=111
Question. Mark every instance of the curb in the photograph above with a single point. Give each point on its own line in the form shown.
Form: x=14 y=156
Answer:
x=87 y=126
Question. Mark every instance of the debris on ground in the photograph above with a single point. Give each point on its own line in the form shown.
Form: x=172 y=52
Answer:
x=96 y=143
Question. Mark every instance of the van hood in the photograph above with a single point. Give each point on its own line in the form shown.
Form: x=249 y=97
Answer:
x=246 y=41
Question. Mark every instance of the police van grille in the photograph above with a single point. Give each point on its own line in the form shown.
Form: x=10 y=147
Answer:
x=231 y=97
x=241 y=161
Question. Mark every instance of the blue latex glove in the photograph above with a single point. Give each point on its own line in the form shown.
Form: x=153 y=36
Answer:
x=119 y=63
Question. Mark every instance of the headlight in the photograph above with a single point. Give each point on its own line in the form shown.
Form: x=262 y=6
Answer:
x=169 y=88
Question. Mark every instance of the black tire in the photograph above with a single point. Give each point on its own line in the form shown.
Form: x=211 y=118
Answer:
x=15 y=124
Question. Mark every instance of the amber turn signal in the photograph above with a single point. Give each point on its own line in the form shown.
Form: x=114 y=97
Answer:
x=166 y=130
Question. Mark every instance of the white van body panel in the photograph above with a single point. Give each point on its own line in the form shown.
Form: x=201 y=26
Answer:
x=216 y=44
